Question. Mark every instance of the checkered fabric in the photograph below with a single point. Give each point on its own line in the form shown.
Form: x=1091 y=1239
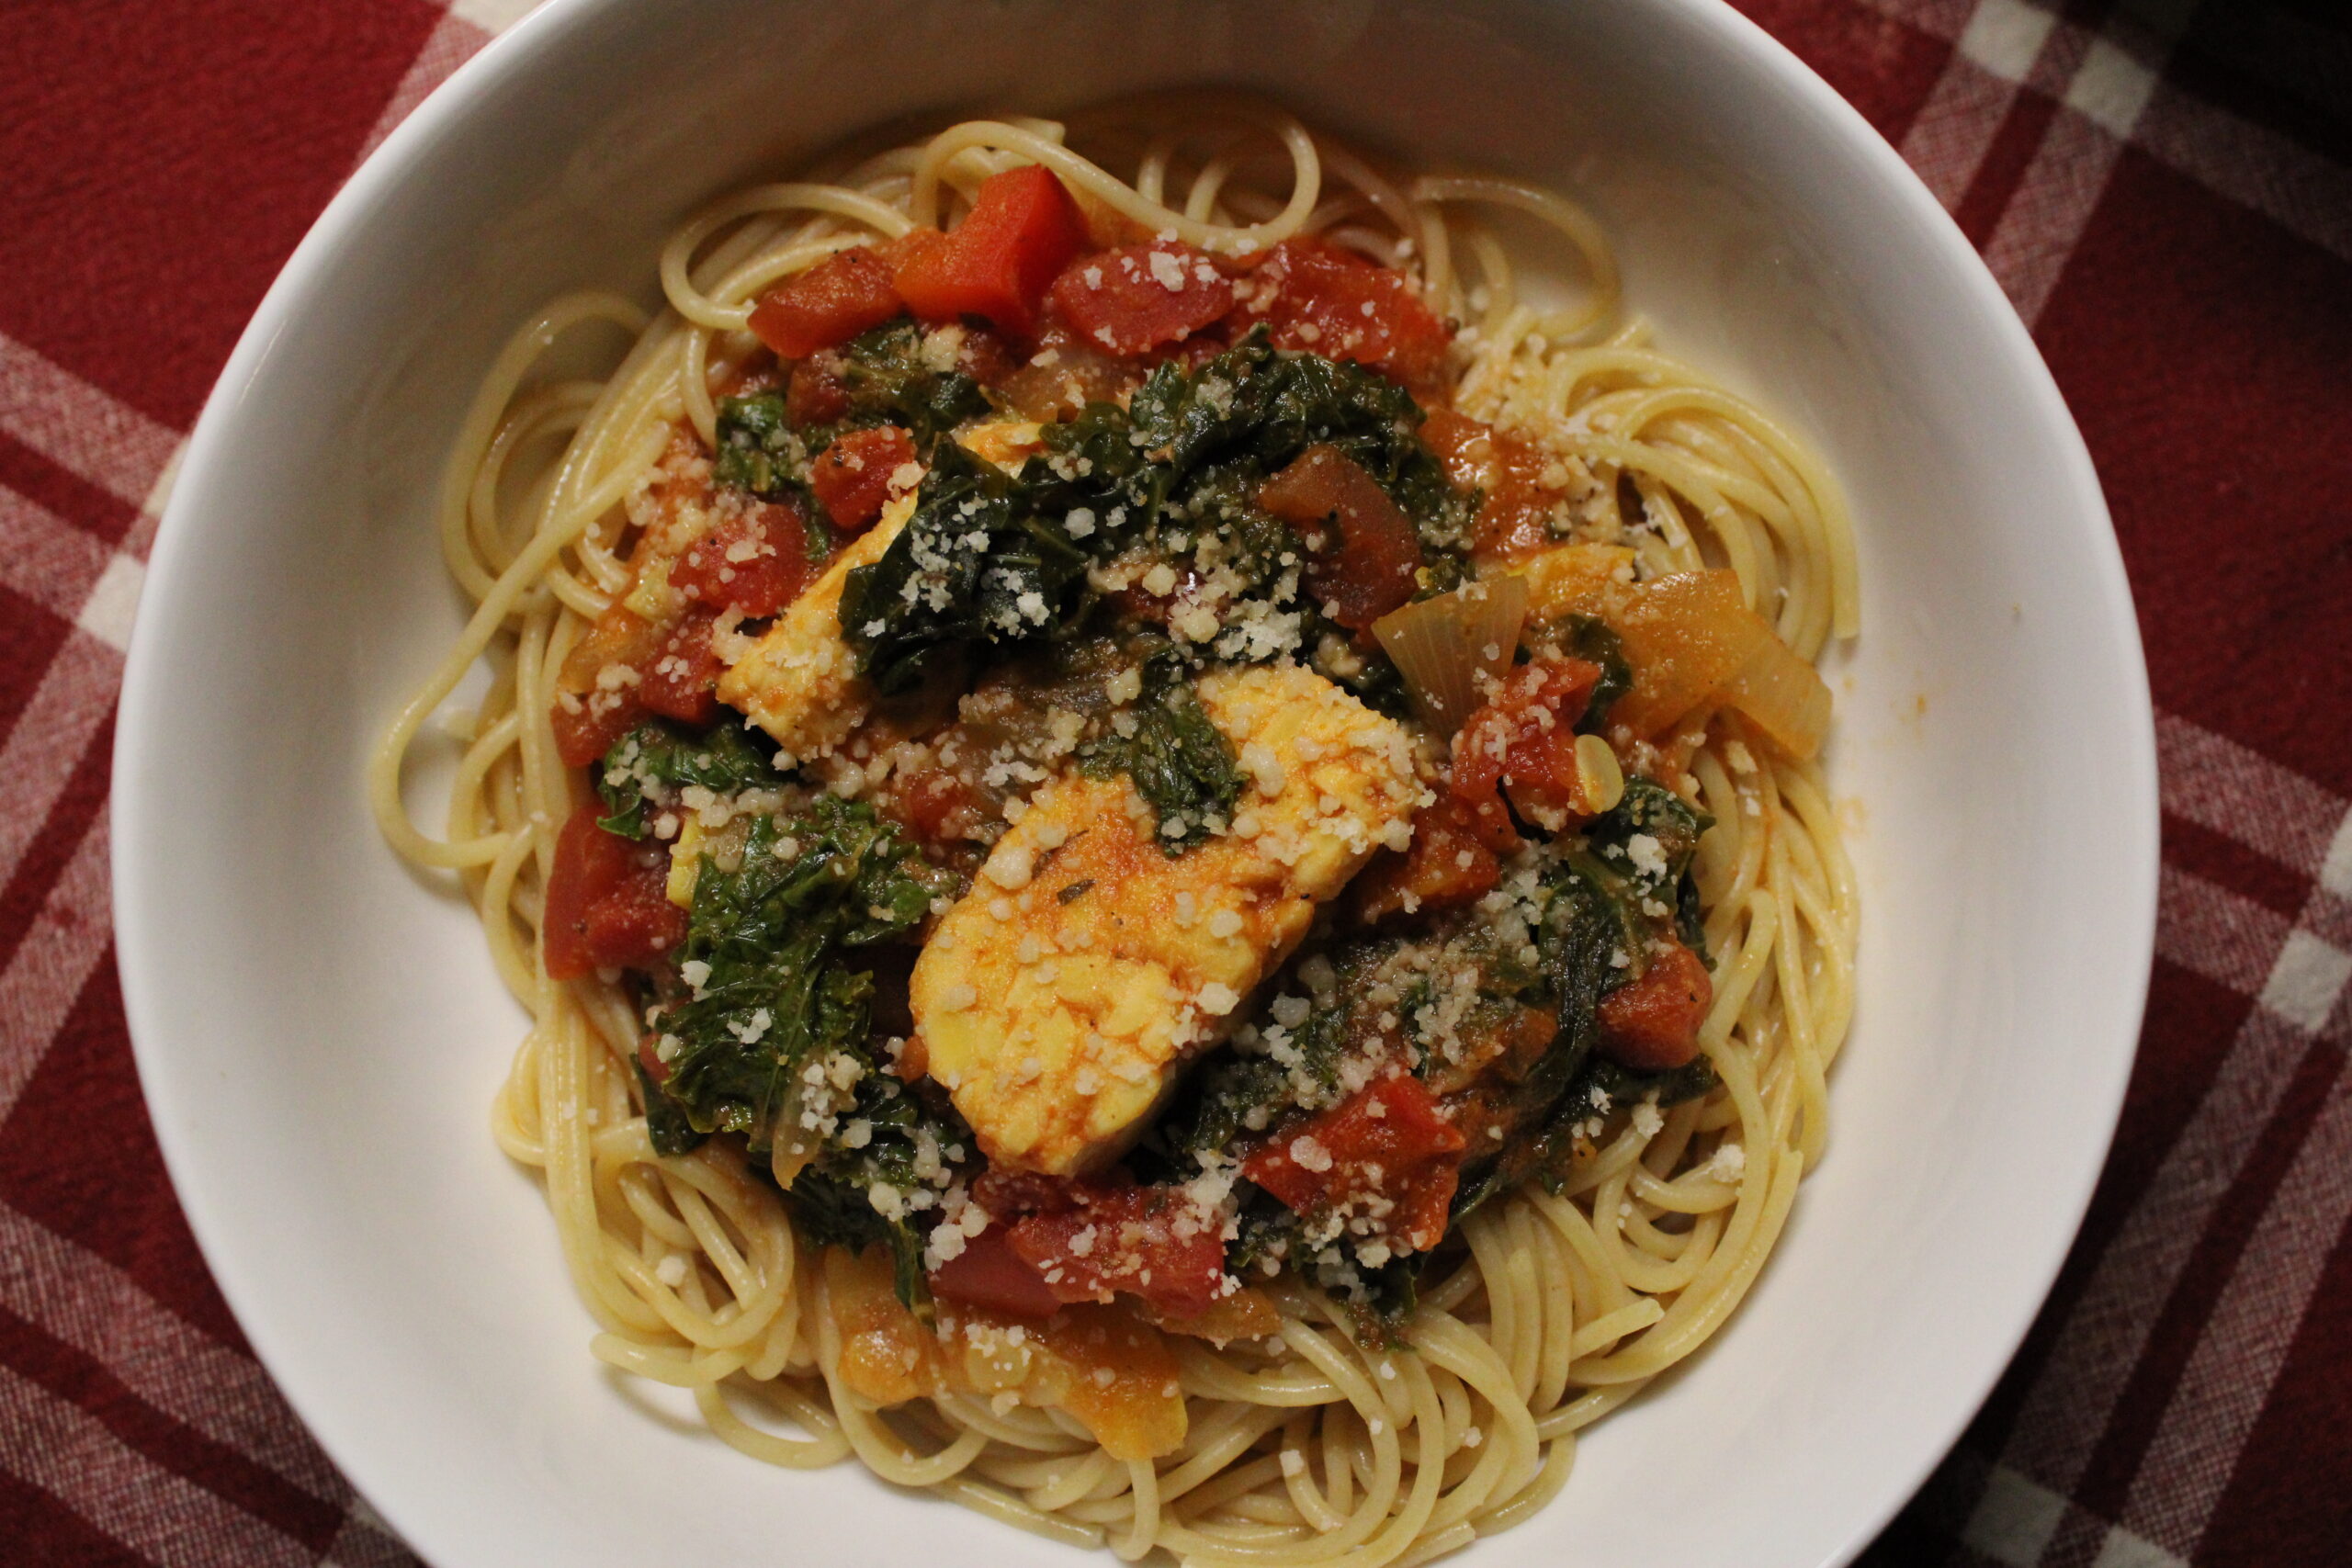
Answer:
x=2163 y=187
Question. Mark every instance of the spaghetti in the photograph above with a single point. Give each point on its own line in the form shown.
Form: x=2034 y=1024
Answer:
x=1302 y=1425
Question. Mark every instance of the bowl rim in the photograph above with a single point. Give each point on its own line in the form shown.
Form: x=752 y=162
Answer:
x=139 y=815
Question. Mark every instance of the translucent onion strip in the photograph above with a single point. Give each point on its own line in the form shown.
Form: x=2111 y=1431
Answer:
x=1450 y=649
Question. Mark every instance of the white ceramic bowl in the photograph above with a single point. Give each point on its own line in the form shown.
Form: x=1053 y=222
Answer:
x=320 y=1031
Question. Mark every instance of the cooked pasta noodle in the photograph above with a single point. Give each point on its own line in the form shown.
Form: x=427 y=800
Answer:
x=1319 y=1444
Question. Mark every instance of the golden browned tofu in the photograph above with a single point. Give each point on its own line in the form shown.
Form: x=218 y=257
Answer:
x=1060 y=998
x=1007 y=442
x=800 y=682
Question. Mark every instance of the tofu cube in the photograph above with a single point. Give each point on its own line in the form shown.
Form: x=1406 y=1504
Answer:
x=1059 y=999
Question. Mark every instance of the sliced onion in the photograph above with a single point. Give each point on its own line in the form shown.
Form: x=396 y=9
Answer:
x=1785 y=696
x=1685 y=636
x=1691 y=638
x=1451 y=647
x=791 y=1153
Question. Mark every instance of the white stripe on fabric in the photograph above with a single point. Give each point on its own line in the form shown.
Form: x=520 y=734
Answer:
x=168 y=1519
x=2014 y=1519
x=73 y=1294
x=81 y=428
x=2242 y=795
x=2306 y=981
x=2100 y=1344
x=2006 y=37
x=2246 y=1337
x=113 y=600
x=50 y=737
x=45 y=977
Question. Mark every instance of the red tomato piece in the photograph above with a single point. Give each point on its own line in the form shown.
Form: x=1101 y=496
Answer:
x=1319 y=298
x=1525 y=739
x=938 y=805
x=1134 y=299
x=1065 y=374
x=755 y=560
x=1009 y=1194
x=1389 y=1140
x=986 y=356
x=1651 y=1023
x=991 y=1275
x=607 y=903
x=815 y=394
x=586 y=725
x=1516 y=510
x=590 y=715
x=681 y=680
x=1363 y=553
x=1142 y=1241
x=830 y=303
x=1022 y=231
x=1446 y=866
x=852 y=476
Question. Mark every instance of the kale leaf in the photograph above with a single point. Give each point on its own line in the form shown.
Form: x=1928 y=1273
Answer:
x=1377 y=1300
x=1236 y=1096
x=834 y=1211
x=1589 y=637
x=1254 y=409
x=1604 y=901
x=665 y=1120
x=766 y=954
x=645 y=767
x=1181 y=763
x=975 y=564
x=991 y=560
x=884 y=379
x=1677 y=826
x=758 y=451
x=773 y=1039
x=1604 y=1083
x=887 y=380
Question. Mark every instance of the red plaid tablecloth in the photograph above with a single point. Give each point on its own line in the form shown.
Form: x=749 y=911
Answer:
x=2164 y=187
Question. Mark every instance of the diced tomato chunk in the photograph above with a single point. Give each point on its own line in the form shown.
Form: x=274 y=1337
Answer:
x=986 y=356
x=1363 y=552
x=1143 y=1241
x=830 y=303
x=756 y=560
x=591 y=714
x=1524 y=738
x=991 y=1275
x=1023 y=229
x=681 y=680
x=1516 y=509
x=815 y=394
x=586 y=725
x=1065 y=374
x=853 y=476
x=938 y=805
x=1008 y=1194
x=607 y=902
x=1651 y=1023
x=1389 y=1140
x=1446 y=866
x=1094 y=1238
x=1317 y=297
x=1133 y=299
